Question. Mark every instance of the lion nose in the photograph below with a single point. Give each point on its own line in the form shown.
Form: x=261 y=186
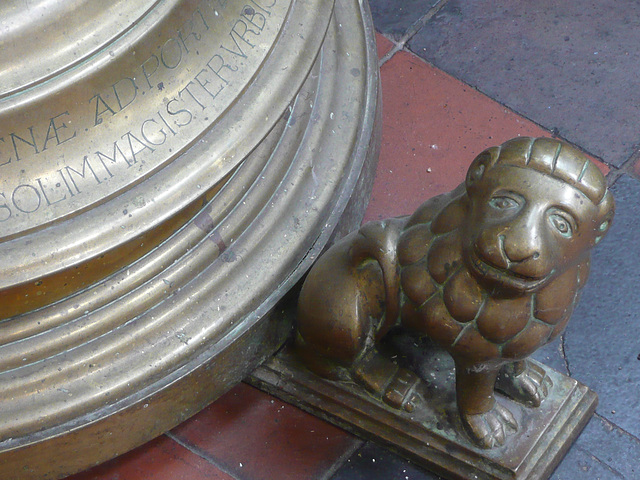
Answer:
x=526 y=250
x=519 y=248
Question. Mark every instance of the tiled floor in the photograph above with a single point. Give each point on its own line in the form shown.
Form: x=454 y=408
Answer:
x=458 y=76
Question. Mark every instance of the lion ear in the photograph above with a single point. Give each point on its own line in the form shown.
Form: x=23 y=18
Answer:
x=480 y=165
x=475 y=173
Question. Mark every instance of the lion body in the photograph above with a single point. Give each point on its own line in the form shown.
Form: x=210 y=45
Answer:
x=444 y=301
x=490 y=272
x=415 y=276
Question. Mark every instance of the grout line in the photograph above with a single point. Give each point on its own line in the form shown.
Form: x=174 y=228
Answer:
x=617 y=427
x=396 y=48
x=599 y=461
x=202 y=454
x=614 y=175
x=625 y=169
x=342 y=460
x=412 y=30
x=422 y=21
x=633 y=158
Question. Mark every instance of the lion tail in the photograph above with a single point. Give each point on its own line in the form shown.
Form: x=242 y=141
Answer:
x=378 y=242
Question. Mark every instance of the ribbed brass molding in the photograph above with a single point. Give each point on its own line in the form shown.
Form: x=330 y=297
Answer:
x=168 y=172
x=73 y=149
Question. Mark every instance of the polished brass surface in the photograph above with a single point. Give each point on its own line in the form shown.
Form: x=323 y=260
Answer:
x=165 y=180
x=490 y=272
x=129 y=110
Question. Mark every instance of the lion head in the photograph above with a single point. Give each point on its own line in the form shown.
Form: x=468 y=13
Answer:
x=536 y=208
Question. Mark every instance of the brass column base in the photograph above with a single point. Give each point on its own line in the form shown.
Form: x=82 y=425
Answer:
x=429 y=436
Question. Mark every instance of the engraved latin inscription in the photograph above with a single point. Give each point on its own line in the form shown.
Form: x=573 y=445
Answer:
x=21 y=144
x=117 y=154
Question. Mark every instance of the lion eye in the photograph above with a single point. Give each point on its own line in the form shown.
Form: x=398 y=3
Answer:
x=503 y=203
x=561 y=224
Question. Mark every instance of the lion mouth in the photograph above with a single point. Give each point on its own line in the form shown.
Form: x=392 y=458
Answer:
x=505 y=277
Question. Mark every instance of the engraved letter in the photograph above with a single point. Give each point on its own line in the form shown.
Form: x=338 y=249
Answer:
x=178 y=112
x=130 y=90
x=145 y=135
x=32 y=143
x=147 y=74
x=203 y=82
x=5 y=211
x=167 y=52
x=132 y=138
x=27 y=203
x=116 y=151
x=186 y=89
x=239 y=35
x=44 y=194
x=254 y=18
x=165 y=122
x=105 y=108
x=85 y=164
x=265 y=7
x=65 y=182
x=52 y=132
x=192 y=33
x=220 y=66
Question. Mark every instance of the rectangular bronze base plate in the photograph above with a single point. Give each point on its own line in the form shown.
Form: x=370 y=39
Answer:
x=431 y=435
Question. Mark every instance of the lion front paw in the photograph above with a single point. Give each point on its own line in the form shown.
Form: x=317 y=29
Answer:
x=490 y=429
x=528 y=386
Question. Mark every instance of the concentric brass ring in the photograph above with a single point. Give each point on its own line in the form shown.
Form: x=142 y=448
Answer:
x=150 y=226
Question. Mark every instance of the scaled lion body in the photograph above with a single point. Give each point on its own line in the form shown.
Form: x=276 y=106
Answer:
x=490 y=271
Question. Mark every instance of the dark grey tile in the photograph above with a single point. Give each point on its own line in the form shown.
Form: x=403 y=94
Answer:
x=603 y=449
x=393 y=17
x=566 y=65
x=373 y=462
x=601 y=452
x=602 y=343
x=582 y=464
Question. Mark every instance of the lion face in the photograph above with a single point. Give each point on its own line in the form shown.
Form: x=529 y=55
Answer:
x=526 y=227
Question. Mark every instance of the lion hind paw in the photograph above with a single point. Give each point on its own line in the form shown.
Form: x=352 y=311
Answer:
x=402 y=392
x=490 y=429
x=530 y=387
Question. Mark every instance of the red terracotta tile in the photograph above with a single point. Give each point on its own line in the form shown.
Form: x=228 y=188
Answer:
x=384 y=45
x=257 y=437
x=433 y=127
x=160 y=459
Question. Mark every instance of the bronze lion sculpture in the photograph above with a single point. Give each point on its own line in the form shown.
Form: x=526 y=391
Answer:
x=490 y=272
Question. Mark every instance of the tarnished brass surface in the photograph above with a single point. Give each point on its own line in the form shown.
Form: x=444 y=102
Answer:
x=168 y=171
x=490 y=272
x=432 y=435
